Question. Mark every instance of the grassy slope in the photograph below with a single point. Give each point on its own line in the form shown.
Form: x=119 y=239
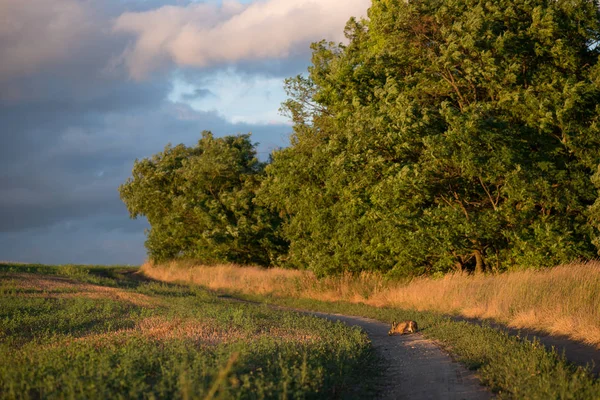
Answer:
x=513 y=367
x=99 y=333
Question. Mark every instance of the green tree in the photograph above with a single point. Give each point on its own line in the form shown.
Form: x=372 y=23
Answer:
x=447 y=134
x=199 y=202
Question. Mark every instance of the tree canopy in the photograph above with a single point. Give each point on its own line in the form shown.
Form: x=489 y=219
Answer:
x=444 y=135
x=447 y=134
x=199 y=203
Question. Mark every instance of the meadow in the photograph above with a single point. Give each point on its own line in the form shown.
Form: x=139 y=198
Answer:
x=563 y=300
x=511 y=366
x=97 y=333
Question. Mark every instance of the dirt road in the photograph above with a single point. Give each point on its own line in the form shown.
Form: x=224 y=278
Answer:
x=414 y=367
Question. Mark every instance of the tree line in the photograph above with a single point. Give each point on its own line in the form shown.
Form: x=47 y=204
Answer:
x=445 y=135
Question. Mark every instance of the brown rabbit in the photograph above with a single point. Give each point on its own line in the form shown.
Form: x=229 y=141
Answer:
x=403 y=327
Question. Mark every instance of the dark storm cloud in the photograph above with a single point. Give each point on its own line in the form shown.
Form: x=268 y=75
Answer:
x=78 y=242
x=33 y=126
x=78 y=173
x=74 y=180
x=71 y=124
x=22 y=216
x=62 y=162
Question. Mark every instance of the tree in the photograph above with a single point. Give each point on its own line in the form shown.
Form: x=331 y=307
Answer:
x=199 y=202
x=447 y=134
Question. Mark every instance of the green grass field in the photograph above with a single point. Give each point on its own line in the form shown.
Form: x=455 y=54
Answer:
x=93 y=332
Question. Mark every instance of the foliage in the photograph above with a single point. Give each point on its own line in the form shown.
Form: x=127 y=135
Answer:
x=199 y=203
x=446 y=135
x=76 y=340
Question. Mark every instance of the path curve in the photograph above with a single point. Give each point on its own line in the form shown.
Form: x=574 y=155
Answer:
x=415 y=368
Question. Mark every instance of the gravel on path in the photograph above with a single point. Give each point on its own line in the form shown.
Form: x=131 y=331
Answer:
x=414 y=367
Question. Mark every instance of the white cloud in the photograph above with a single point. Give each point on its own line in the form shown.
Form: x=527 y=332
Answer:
x=203 y=35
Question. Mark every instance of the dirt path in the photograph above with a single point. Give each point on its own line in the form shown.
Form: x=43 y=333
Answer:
x=415 y=368
x=412 y=367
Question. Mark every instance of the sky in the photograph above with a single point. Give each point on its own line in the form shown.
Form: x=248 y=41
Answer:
x=88 y=86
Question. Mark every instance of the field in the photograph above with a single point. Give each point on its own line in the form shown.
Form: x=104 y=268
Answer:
x=85 y=332
x=512 y=366
x=100 y=332
x=563 y=300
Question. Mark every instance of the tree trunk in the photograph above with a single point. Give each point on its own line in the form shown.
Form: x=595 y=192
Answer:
x=479 y=264
x=458 y=267
x=459 y=263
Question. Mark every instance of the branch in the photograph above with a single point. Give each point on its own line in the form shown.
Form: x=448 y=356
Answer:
x=494 y=204
x=452 y=83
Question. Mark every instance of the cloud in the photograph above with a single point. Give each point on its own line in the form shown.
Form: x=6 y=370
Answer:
x=38 y=33
x=59 y=201
x=73 y=121
x=76 y=173
x=204 y=35
x=198 y=94
x=238 y=97
x=77 y=242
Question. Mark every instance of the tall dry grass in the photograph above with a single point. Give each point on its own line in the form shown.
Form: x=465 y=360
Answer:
x=563 y=300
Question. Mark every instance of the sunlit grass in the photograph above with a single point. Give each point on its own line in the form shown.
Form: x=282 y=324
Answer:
x=562 y=300
x=89 y=332
x=511 y=366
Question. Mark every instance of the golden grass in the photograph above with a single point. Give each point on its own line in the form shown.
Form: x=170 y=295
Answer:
x=207 y=332
x=564 y=300
x=203 y=332
x=59 y=287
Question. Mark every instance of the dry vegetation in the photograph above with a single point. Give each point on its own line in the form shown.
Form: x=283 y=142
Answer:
x=32 y=285
x=203 y=333
x=562 y=300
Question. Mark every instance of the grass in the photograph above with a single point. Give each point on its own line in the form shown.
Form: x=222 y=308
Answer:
x=91 y=332
x=513 y=367
x=563 y=300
